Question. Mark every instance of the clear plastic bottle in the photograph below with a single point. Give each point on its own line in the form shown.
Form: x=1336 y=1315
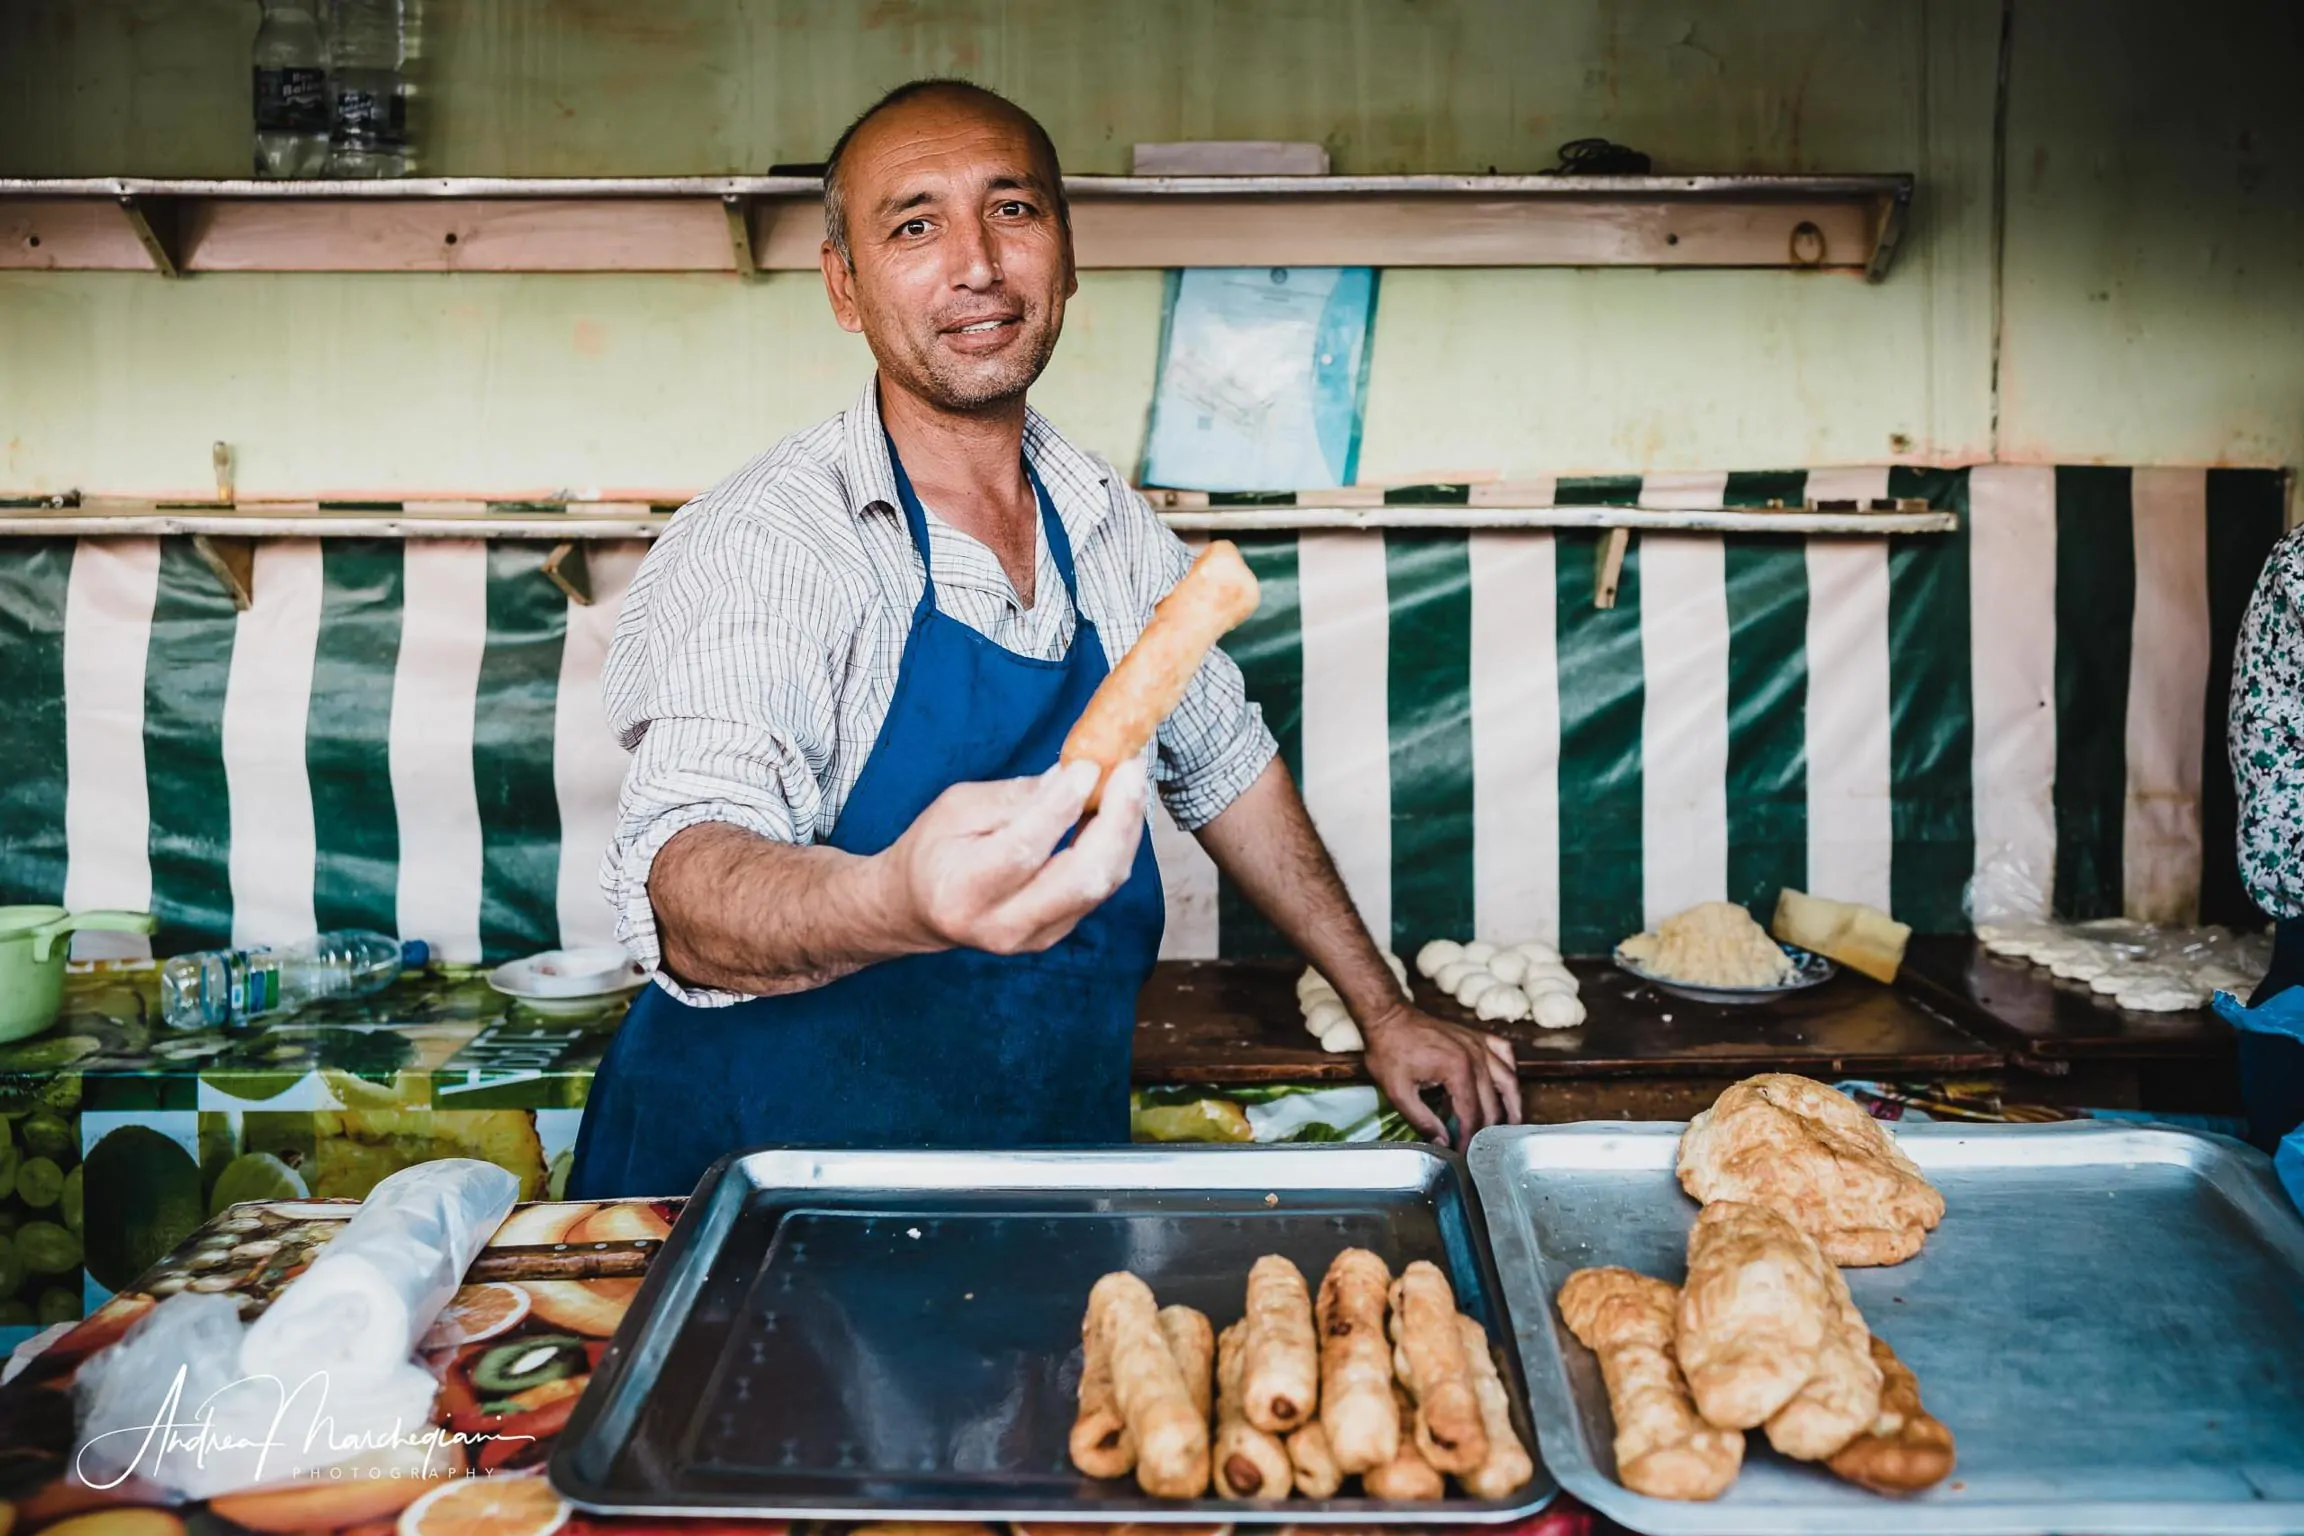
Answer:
x=367 y=88
x=219 y=988
x=291 y=86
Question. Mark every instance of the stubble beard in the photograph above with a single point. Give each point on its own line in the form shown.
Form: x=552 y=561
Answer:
x=964 y=385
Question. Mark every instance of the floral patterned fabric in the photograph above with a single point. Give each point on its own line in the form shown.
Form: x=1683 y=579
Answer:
x=2267 y=740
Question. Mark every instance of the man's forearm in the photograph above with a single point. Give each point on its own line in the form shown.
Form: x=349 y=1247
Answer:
x=1266 y=843
x=738 y=912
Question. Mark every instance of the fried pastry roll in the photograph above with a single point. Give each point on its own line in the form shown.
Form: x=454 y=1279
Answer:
x=1171 y=1436
x=1430 y=1356
x=1280 y=1362
x=1507 y=1466
x=1361 y=1429
x=1249 y=1464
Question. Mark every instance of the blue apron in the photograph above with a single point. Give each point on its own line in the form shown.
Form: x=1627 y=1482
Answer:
x=954 y=1049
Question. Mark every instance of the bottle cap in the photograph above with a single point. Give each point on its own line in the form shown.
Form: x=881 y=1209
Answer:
x=414 y=953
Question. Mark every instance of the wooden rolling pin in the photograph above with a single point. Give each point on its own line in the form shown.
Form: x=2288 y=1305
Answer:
x=1128 y=706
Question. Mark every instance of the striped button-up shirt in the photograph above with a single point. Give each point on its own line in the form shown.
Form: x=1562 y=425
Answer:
x=757 y=649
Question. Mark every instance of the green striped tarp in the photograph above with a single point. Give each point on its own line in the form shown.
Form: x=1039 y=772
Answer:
x=409 y=736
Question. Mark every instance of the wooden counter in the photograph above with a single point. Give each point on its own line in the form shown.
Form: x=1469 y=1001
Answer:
x=2019 y=1005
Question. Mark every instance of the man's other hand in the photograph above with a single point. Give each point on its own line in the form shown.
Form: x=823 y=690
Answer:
x=1409 y=1051
x=980 y=867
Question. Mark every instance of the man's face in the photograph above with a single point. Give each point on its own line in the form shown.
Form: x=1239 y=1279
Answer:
x=961 y=265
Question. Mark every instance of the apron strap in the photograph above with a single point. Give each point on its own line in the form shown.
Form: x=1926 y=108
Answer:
x=916 y=520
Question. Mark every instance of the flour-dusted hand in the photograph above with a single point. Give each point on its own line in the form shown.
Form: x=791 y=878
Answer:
x=980 y=867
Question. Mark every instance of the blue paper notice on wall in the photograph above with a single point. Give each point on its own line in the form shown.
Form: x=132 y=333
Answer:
x=1263 y=378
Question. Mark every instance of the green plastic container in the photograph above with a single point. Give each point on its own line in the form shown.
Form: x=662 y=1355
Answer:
x=32 y=951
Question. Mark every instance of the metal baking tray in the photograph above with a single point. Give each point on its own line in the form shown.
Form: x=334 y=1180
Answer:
x=828 y=1333
x=2110 y=1319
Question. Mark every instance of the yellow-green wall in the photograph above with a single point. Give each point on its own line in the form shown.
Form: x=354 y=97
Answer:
x=2149 y=307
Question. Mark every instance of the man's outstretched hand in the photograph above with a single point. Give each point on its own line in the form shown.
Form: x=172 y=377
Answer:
x=1409 y=1051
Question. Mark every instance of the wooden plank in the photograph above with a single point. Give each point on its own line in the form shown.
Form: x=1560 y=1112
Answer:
x=1227 y=1021
x=67 y=235
x=449 y=235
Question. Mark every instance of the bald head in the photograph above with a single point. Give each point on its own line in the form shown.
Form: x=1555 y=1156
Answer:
x=938 y=98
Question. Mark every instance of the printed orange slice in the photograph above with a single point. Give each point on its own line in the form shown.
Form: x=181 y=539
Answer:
x=621 y=1222
x=476 y=1312
x=535 y=1225
x=506 y=1504
x=589 y=1307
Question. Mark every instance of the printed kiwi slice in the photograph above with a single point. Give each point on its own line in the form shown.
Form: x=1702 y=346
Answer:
x=529 y=1362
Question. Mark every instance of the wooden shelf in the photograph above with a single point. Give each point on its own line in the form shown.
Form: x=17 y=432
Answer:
x=743 y=224
x=613 y=520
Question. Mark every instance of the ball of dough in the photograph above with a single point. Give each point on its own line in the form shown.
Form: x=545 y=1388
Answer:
x=1538 y=949
x=2161 y=997
x=1508 y=965
x=1503 y=1003
x=1479 y=951
x=1309 y=983
x=1549 y=978
x=1475 y=986
x=1558 y=1010
x=1325 y=1015
x=1449 y=976
x=1436 y=954
x=1343 y=1039
x=2085 y=967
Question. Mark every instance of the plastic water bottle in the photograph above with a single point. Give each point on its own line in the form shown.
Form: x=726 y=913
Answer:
x=219 y=988
x=367 y=88
x=291 y=79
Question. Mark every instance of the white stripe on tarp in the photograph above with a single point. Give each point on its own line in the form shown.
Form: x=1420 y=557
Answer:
x=2167 y=689
x=1347 y=629
x=587 y=764
x=108 y=604
x=1188 y=881
x=1515 y=738
x=435 y=690
x=266 y=697
x=1851 y=820
x=1683 y=590
x=2012 y=664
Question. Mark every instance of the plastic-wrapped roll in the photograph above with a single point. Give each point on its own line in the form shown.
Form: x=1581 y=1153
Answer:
x=374 y=1290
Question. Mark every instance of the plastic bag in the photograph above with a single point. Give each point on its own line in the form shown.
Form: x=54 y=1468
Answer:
x=2008 y=888
x=170 y=1406
x=374 y=1290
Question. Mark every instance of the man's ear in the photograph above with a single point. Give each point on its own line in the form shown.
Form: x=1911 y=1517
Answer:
x=840 y=288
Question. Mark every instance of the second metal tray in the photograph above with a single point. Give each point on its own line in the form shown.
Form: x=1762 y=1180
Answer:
x=898 y=1333
x=2110 y=1320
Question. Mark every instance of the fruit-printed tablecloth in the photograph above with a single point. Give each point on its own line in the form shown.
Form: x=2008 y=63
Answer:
x=119 y=1136
x=512 y=1353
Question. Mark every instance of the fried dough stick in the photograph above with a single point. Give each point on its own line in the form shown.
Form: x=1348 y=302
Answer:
x=1279 y=1359
x=1663 y=1447
x=1429 y=1358
x=1906 y=1448
x=1193 y=1342
x=1317 y=1475
x=1507 y=1466
x=1249 y=1464
x=1360 y=1427
x=1149 y=681
x=1170 y=1434
x=1100 y=1443
x=1407 y=1476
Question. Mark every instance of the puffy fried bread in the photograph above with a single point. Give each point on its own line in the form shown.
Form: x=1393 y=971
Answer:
x=1906 y=1448
x=1361 y=1429
x=1843 y=1397
x=1811 y=1154
x=1753 y=1313
x=1663 y=1447
x=1507 y=1466
x=1279 y=1357
x=1429 y=1354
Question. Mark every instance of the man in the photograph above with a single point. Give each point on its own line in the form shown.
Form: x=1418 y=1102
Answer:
x=843 y=676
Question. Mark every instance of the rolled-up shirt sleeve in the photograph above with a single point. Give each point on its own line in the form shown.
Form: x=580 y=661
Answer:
x=1215 y=744
x=720 y=683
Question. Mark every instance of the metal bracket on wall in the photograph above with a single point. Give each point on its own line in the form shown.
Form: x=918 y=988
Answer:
x=739 y=211
x=1608 y=566
x=154 y=222
x=232 y=562
x=569 y=569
